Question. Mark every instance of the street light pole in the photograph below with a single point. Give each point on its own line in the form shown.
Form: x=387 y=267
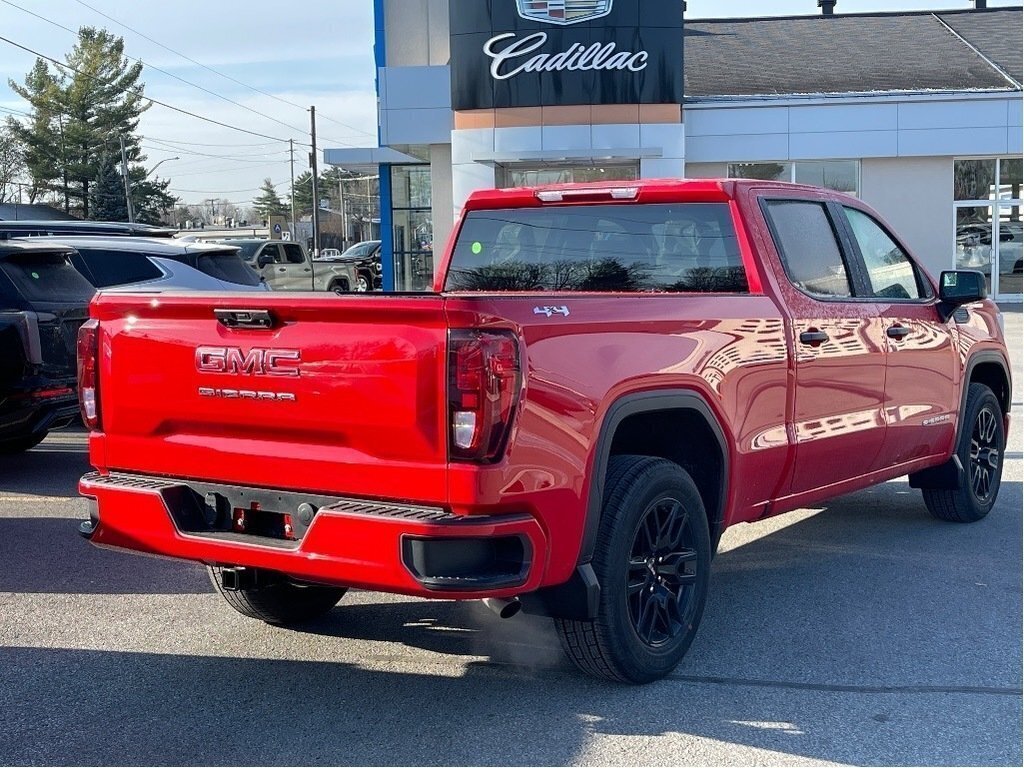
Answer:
x=153 y=169
x=127 y=183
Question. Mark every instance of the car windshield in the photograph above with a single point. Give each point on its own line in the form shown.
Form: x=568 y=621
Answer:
x=46 y=277
x=227 y=265
x=360 y=249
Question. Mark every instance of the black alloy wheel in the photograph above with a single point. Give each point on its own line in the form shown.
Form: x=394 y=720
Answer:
x=652 y=559
x=662 y=573
x=979 y=448
x=986 y=454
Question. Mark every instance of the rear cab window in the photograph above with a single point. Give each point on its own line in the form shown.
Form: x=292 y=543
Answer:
x=46 y=276
x=644 y=248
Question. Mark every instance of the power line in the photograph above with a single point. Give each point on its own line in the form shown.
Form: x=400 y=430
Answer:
x=154 y=101
x=201 y=144
x=215 y=71
x=162 y=71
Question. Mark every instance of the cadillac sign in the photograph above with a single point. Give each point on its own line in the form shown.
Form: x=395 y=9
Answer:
x=531 y=53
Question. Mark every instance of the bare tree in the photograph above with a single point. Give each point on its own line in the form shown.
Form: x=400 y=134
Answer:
x=12 y=165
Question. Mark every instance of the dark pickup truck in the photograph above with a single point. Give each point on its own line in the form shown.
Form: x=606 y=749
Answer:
x=43 y=303
x=604 y=378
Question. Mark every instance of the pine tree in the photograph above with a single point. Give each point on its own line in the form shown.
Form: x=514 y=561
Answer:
x=269 y=202
x=304 y=194
x=108 y=203
x=79 y=115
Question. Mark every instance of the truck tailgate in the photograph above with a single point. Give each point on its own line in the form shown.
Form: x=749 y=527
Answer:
x=335 y=397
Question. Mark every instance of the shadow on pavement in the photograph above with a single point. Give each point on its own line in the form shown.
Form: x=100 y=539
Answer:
x=162 y=709
x=46 y=554
x=52 y=468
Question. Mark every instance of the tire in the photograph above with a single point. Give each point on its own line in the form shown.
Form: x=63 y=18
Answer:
x=339 y=286
x=362 y=284
x=980 y=447
x=21 y=444
x=282 y=603
x=633 y=639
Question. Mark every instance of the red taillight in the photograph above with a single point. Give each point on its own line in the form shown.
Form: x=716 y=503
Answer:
x=484 y=379
x=88 y=380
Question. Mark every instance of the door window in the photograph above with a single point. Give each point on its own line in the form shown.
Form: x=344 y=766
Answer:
x=293 y=253
x=890 y=271
x=275 y=251
x=810 y=252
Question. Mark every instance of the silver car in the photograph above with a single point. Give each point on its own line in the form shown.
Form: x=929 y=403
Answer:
x=159 y=264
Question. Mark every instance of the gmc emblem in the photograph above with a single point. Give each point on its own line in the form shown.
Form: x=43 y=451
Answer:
x=256 y=362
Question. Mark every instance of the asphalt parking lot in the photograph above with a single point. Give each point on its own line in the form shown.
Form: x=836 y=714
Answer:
x=861 y=632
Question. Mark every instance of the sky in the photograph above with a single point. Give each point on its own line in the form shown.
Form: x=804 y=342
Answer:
x=273 y=60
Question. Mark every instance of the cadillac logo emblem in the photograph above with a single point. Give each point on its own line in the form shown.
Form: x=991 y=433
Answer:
x=564 y=11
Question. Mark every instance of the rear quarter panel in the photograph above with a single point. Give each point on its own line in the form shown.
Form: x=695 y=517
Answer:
x=730 y=349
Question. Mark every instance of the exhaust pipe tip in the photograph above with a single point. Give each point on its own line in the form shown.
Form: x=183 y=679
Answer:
x=506 y=608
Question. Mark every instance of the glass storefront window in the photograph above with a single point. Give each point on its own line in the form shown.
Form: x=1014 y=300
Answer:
x=532 y=176
x=987 y=192
x=762 y=171
x=838 y=175
x=974 y=229
x=973 y=179
x=1011 y=259
x=412 y=227
x=1010 y=172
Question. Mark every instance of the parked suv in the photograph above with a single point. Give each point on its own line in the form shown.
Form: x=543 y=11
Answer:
x=149 y=264
x=287 y=267
x=43 y=302
x=365 y=257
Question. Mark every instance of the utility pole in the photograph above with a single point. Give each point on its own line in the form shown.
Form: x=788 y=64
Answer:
x=316 y=186
x=291 y=155
x=344 y=212
x=127 y=183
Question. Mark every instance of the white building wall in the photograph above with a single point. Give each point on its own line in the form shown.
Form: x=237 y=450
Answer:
x=416 y=32
x=441 y=197
x=915 y=196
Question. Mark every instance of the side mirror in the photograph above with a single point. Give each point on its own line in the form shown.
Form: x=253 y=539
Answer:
x=264 y=260
x=959 y=287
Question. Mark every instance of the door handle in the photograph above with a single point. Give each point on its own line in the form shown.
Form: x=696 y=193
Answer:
x=898 y=332
x=281 y=269
x=813 y=337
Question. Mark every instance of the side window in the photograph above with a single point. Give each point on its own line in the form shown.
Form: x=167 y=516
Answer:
x=272 y=250
x=110 y=268
x=809 y=249
x=293 y=253
x=892 y=274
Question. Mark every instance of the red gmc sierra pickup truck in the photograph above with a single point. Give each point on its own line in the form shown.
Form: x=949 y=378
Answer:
x=604 y=379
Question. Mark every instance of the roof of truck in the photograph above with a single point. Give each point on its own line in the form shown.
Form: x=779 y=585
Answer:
x=638 y=191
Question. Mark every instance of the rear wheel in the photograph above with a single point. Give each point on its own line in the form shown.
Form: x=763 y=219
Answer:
x=21 y=444
x=282 y=602
x=339 y=286
x=980 y=447
x=653 y=561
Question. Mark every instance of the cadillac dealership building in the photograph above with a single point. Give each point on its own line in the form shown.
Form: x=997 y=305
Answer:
x=918 y=114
